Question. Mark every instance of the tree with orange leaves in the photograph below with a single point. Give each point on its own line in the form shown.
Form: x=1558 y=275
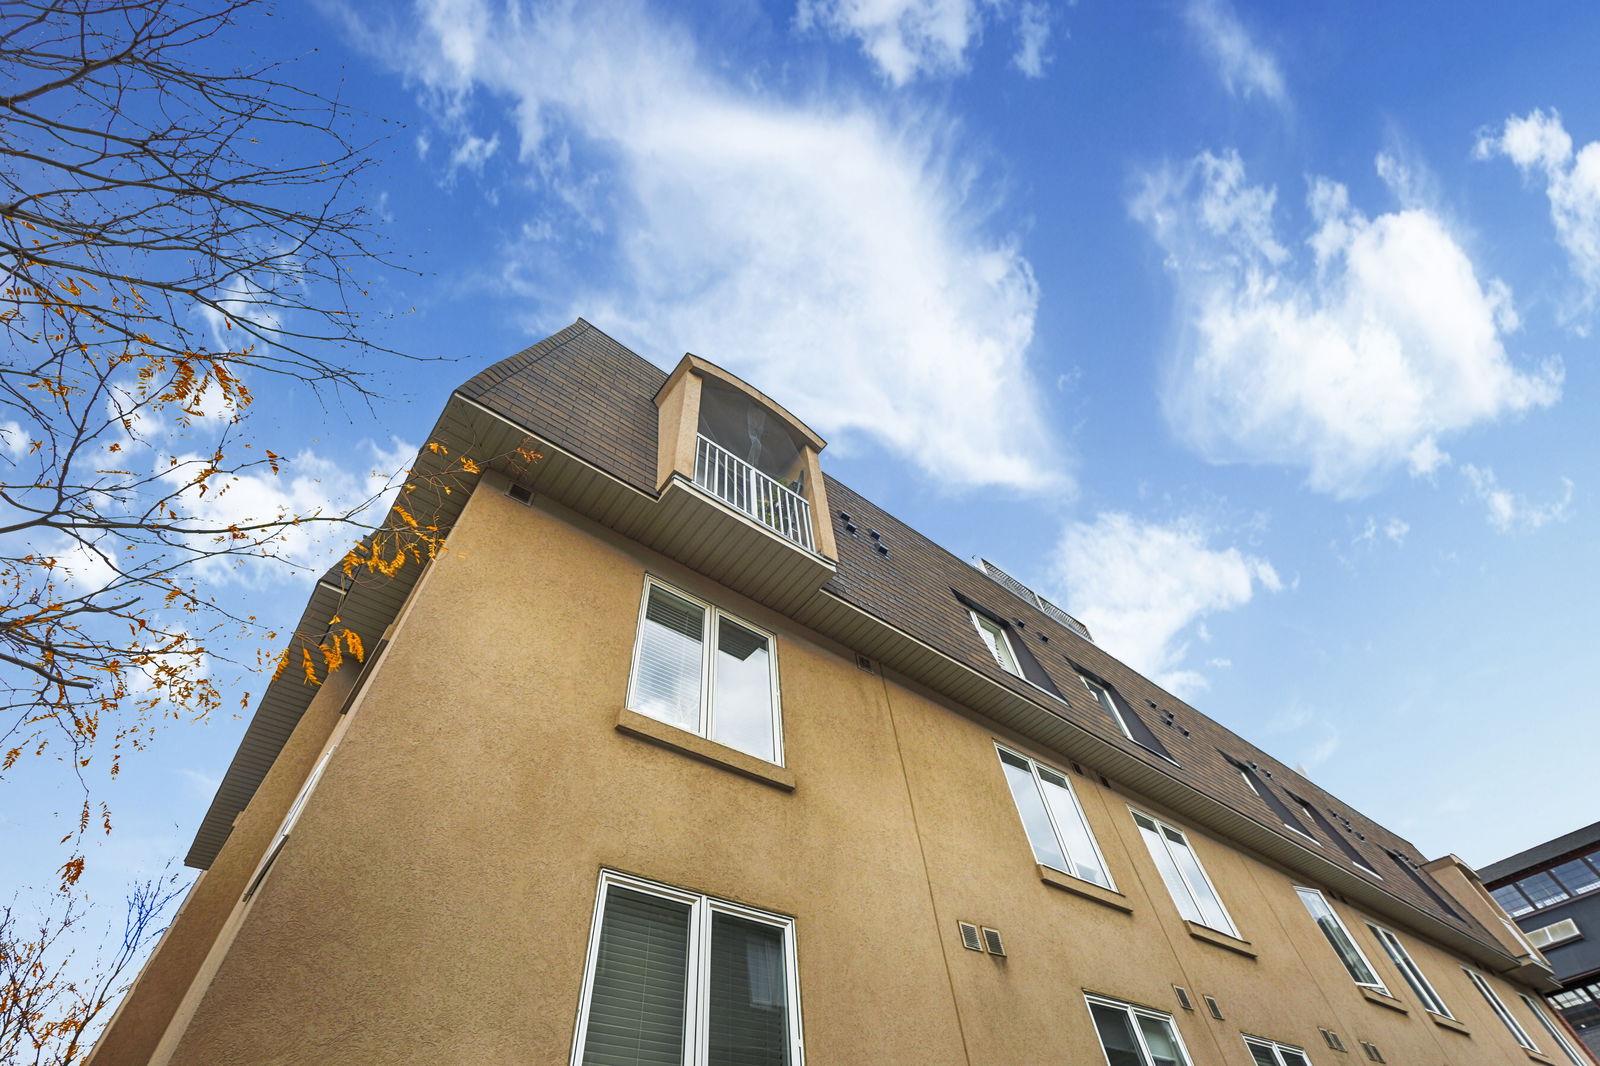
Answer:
x=171 y=230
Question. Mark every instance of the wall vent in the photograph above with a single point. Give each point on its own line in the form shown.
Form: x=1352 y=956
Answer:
x=1213 y=1007
x=1183 y=997
x=992 y=941
x=969 y=936
x=520 y=493
x=865 y=663
x=1372 y=1051
x=1331 y=1038
x=1558 y=933
x=1027 y=595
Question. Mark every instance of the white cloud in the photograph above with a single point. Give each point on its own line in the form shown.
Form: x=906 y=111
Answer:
x=830 y=255
x=1033 y=35
x=1509 y=512
x=1393 y=530
x=309 y=484
x=1143 y=588
x=1244 y=66
x=1538 y=143
x=907 y=39
x=1314 y=736
x=472 y=152
x=1349 y=365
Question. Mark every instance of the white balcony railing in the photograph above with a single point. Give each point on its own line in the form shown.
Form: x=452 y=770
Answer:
x=749 y=491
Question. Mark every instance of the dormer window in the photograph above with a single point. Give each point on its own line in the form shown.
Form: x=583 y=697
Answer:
x=737 y=446
x=999 y=645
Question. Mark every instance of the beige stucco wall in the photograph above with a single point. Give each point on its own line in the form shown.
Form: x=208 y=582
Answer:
x=434 y=902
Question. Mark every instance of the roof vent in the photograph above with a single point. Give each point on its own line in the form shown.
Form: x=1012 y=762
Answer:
x=1027 y=595
x=1183 y=997
x=992 y=941
x=969 y=936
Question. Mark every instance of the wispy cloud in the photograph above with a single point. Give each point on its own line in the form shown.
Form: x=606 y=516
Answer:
x=1538 y=143
x=1348 y=366
x=1143 y=588
x=1509 y=512
x=1246 y=68
x=832 y=255
x=909 y=39
x=1312 y=736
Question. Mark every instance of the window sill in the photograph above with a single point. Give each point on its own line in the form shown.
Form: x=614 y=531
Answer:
x=1538 y=1057
x=1087 y=889
x=1449 y=1023
x=721 y=756
x=1222 y=940
x=1372 y=995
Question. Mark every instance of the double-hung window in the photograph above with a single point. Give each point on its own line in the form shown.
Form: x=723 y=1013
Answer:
x=1518 y=1033
x=1053 y=819
x=1180 y=869
x=1555 y=1032
x=703 y=670
x=1344 y=946
x=1136 y=1036
x=679 y=979
x=1408 y=969
x=999 y=644
x=1272 y=1053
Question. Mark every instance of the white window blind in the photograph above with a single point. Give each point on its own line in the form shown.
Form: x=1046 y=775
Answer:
x=678 y=979
x=704 y=671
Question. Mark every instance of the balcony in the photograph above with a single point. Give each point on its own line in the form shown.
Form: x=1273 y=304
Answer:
x=751 y=492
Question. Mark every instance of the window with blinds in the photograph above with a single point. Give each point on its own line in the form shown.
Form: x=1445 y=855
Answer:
x=1053 y=819
x=1136 y=1036
x=1180 y=870
x=1344 y=946
x=999 y=645
x=707 y=672
x=678 y=979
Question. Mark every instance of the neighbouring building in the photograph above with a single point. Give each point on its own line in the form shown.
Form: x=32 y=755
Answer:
x=1549 y=890
x=683 y=752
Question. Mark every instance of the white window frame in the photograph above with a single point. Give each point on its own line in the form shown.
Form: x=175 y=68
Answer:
x=1101 y=693
x=289 y=820
x=1133 y=1011
x=1034 y=766
x=1554 y=1030
x=1432 y=1002
x=697 y=1013
x=1194 y=900
x=1518 y=1033
x=988 y=626
x=708 y=663
x=1376 y=984
x=1276 y=1047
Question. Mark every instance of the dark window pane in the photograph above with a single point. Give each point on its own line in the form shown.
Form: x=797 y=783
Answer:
x=1116 y=1035
x=749 y=994
x=1577 y=877
x=1541 y=889
x=1512 y=900
x=636 y=1012
x=1261 y=1054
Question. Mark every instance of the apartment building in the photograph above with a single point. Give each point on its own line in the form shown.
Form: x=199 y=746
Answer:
x=684 y=752
x=1550 y=891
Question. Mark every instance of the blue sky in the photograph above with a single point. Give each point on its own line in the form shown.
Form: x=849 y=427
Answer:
x=1260 y=337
